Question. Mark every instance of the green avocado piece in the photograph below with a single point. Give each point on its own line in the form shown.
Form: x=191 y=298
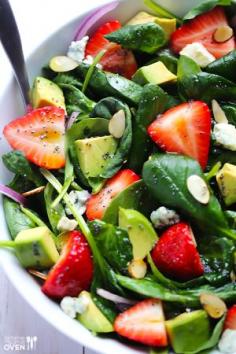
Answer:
x=226 y=180
x=141 y=233
x=92 y=318
x=46 y=93
x=95 y=153
x=189 y=331
x=156 y=73
x=36 y=248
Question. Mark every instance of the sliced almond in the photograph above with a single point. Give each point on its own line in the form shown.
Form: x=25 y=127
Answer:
x=223 y=34
x=233 y=276
x=213 y=305
x=219 y=114
x=193 y=237
x=37 y=274
x=117 y=124
x=33 y=191
x=137 y=269
x=62 y=64
x=198 y=188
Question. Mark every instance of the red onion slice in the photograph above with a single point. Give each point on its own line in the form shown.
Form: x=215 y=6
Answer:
x=92 y=18
x=71 y=119
x=17 y=197
x=115 y=298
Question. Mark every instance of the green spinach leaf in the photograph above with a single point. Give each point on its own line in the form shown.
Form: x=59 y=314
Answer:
x=135 y=197
x=205 y=6
x=230 y=112
x=152 y=103
x=114 y=244
x=186 y=67
x=106 y=108
x=168 y=59
x=147 y=37
x=16 y=220
x=225 y=66
x=159 y=10
x=218 y=259
x=206 y=87
x=56 y=213
x=16 y=162
x=68 y=79
x=105 y=84
x=76 y=99
x=221 y=155
x=166 y=178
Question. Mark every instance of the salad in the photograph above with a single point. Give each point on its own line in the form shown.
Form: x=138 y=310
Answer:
x=123 y=201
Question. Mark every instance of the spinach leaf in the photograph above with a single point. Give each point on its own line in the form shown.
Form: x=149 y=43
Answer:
x=56 y=213
x=160 y=11
x=135 y=197
x=166 y=178
x=205 y=7
x=77 y=99
x=149 y=288
x=168 y=59
x=206 y=87
x=147 y=37
x=16 y=220
x=114 y=244
x=217 y=256
x=106 y=108
x=152 y=103
x=225 y=66
x=67 y=79
x=230 y=112
x=86 y=128
x=186 y=67
x=16 y=162
x=231 y=217
x=214 y=339
x=105 y=84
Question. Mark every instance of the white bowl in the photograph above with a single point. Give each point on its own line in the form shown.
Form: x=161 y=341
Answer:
x=11 y=106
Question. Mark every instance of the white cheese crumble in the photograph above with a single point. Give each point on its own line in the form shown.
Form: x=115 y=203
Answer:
x=197 y=52
x=164 y=217
x=76 y=50
x=227 y=344
x=66 y=224
x=225 y=135
x=73 y=305
x=79 y=199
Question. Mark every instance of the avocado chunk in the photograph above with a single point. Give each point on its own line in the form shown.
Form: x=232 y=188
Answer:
x=92 y=318
x=188 y=331
x=36 y=248
x=156 y=73
x=95 y=153
x=226 y=180
x=46 y=93
x=167 y=24
x=141 y=233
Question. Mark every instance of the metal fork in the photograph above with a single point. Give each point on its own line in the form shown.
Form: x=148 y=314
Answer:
x=11 y=41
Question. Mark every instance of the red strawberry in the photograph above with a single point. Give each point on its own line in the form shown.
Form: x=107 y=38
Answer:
x=175 y=254
x=184 y=129
x=98 y=203
x=201 y=29
x=230 y=321
x=74 y=270
x=143 y=323
x=117 y=60
x=40 y=136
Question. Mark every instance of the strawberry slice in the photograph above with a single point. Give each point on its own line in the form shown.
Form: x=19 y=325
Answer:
x=116 y=60
x=74 y=270
x=184 y=129
x=143 y=323
x=40 y=136
x=201 y=29
x=98 y=203
x=175 y=254
x=230 y=321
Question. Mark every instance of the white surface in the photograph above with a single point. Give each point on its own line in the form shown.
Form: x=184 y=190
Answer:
x=36 y=20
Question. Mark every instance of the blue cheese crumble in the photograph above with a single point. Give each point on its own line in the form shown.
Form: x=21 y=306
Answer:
x=164 y=217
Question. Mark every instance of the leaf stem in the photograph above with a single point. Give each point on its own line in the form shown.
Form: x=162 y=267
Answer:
x=160 y=11
x=32 y=216
x=91 y=70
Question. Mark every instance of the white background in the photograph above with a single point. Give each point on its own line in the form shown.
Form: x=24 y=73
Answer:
x=36 y=20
